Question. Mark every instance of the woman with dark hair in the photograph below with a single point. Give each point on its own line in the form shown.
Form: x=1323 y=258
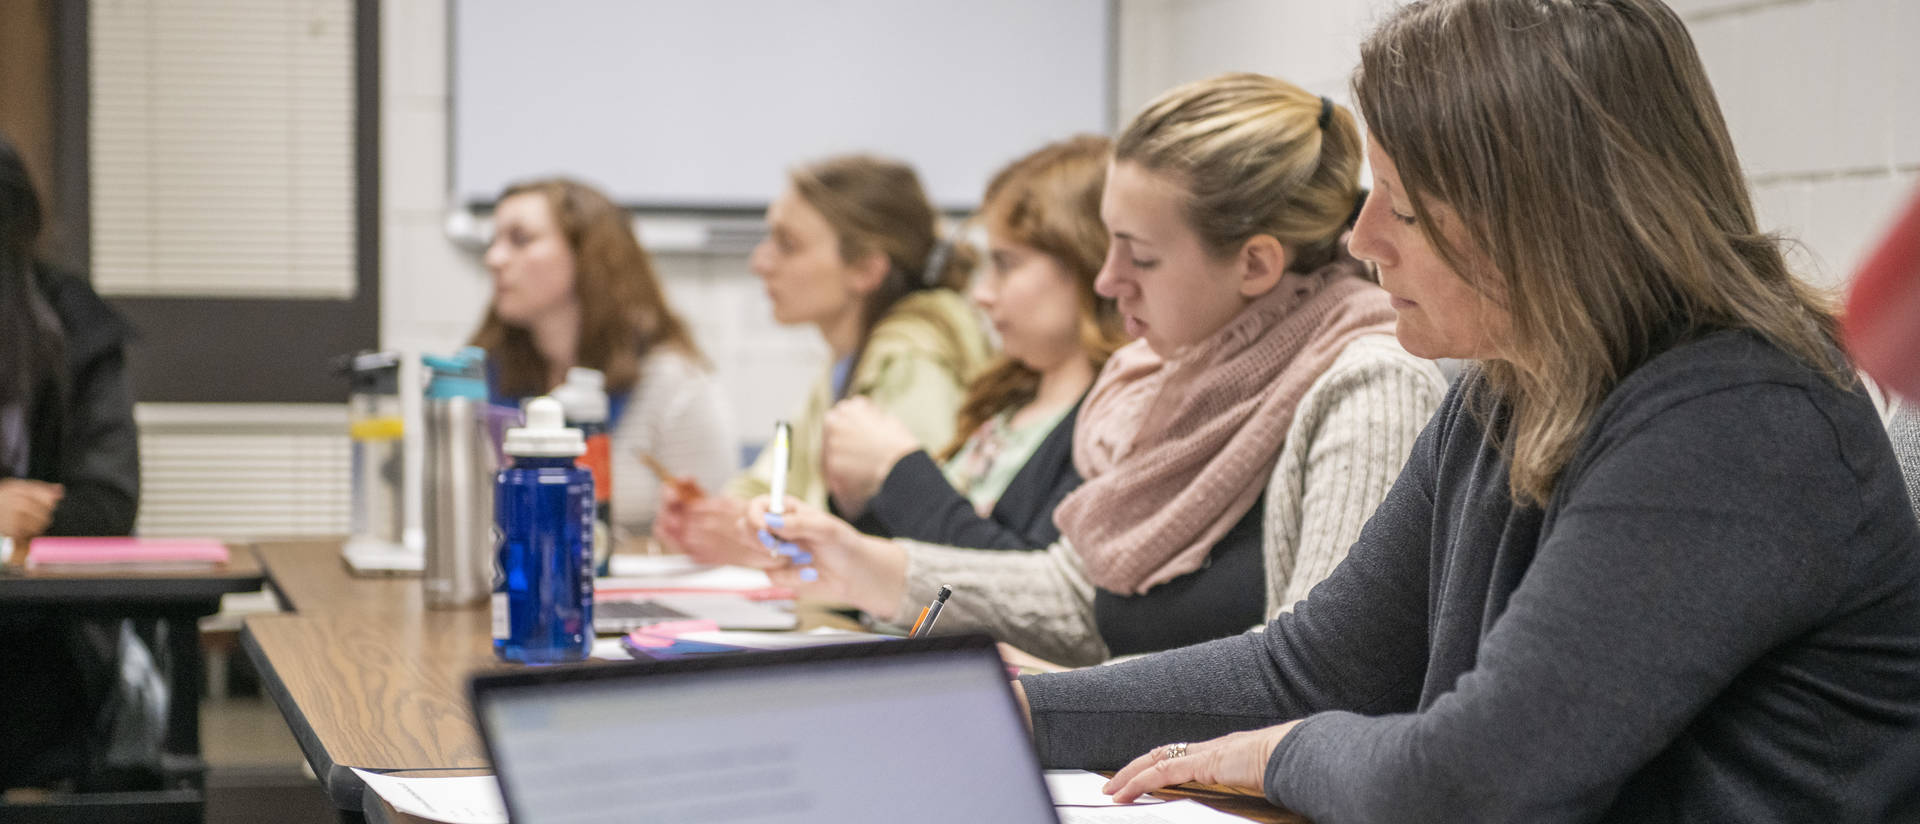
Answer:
x=1651 y=561
x=69 y=465
x=573 y=287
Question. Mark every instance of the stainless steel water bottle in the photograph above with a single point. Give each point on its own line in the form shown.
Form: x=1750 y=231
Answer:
x=459 y=462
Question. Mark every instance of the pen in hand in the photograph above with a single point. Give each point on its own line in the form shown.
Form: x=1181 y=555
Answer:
x=930 y=613
x=777 y=503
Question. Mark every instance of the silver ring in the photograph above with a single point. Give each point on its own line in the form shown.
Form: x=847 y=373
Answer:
x=1173 y=751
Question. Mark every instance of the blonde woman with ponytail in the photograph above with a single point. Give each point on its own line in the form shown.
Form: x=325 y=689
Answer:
x=853 y=249
x=1232 y=452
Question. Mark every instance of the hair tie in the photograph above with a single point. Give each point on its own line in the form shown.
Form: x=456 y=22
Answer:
x=1326 y=111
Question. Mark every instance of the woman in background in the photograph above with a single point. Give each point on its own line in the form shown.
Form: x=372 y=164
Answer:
x=1010 y=461
x=573 y=287
x=853 y=250
x=1265 y=362
x=69 y=465
x=1652 y=561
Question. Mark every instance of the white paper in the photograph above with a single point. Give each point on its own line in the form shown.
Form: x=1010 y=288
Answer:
x=1172 y=812
x=675 y=571
x=610 y=649
x=470 y=799
x=1080 y=788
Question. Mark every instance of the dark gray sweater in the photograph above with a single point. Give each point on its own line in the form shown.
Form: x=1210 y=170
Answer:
x=1715 y=618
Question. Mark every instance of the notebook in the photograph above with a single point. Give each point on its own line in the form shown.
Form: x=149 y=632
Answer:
x=923 y=729
x=126 y=553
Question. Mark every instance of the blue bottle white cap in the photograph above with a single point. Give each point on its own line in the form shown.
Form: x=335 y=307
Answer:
x=546 y=434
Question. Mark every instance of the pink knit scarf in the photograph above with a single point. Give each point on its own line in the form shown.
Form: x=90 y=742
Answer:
x=1175 y=451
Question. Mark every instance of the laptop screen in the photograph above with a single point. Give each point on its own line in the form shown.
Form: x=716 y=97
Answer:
x=886 y=734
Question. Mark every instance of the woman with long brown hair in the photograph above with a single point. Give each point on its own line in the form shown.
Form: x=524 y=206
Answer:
x=1010 y=460
x=573 y=287
x=1651 y=561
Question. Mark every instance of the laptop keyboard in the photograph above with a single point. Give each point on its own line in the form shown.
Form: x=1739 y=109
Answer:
x=635 y=613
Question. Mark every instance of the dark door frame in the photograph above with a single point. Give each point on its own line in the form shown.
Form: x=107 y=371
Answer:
x=231 y=350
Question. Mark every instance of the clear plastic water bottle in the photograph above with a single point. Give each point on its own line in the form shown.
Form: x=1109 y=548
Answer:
x=543 y=509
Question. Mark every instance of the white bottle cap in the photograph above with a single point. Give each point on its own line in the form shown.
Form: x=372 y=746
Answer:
x=583 y=395
x=546 y=434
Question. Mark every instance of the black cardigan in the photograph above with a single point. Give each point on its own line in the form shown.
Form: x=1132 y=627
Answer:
x=81 y=435
x=918 y=503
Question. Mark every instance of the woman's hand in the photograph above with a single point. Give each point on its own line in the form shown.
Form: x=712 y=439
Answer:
x=26 y=507
x=1238 y=760
x=708 y=529
x=863 y=443
x=824 y=557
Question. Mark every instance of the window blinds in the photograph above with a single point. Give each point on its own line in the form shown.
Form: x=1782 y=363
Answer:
x=221 y=136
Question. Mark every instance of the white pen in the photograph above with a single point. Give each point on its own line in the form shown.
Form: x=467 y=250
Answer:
x=781 y=457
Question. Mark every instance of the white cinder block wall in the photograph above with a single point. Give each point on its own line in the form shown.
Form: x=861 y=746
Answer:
x=1823 y=98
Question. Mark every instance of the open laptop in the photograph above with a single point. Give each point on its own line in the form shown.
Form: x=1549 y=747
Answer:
x=922 y=729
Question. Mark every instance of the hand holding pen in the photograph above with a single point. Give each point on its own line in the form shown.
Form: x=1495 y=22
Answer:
x=705 y=528
x=675 y=490
x=780 y=463
x=842 y=564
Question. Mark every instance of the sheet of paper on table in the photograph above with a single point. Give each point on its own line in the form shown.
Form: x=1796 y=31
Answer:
x=476 y=800
x=1184 y=811
x=1079 y=788
x=469 y=799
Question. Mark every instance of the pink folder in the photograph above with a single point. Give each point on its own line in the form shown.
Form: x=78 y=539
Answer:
x=143 y=552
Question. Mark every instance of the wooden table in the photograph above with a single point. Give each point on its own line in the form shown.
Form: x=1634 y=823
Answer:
x=174 y=601
x=367 y=677
x=364 y=673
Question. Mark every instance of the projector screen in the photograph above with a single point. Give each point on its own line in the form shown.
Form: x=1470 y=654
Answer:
x=694 y=105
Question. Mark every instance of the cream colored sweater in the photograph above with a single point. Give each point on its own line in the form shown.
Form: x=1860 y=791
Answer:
x=1352 y=433
x=678 y=413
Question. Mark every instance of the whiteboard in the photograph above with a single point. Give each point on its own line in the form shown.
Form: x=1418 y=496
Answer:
x=704 y=104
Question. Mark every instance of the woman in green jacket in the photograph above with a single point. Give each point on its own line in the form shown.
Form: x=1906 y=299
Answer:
x=853 y=249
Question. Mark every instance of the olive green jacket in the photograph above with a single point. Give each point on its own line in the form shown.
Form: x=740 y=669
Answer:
x=917 y=364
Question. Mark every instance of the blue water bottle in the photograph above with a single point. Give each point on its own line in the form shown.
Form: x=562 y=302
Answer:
x=543 y=510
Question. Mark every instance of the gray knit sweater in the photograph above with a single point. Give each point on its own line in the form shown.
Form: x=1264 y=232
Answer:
x=1715 y=618
x=1349 y=437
